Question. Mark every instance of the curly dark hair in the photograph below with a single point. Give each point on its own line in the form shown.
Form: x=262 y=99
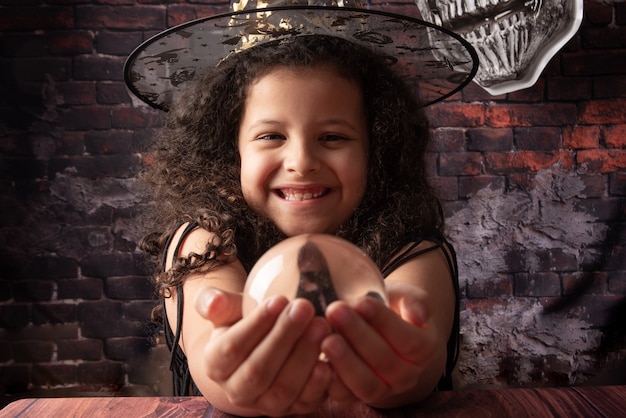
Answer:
x=194 y=173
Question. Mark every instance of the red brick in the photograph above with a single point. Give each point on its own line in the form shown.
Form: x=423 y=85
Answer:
x=606 y=210
x=617 y=282
x=595 y=185
x=33 y=290
x=118 y=166
x=24 y=18
x=140 y=310
x=534 y=93
x=541 y=284
x=33 y=351
x=594 y=63
x=46 y=332
x=98 y=67
x=135 y=117
x=112 y=93
x=494 y=288
x=16 y=378
x=77 y=92
x=84 y=288
x=108 y=142
x=602 y=161
x=617 y=183
x=460 y=163
x=105 y=373
x=69 y=43
x=128 y=288
x=181 y=13
x=126 y=348
x=484 y=306
x=593 y=309
x=615 y=136
x=53 y=374
x=24 y=45
x=555 y=259
x=538 y=139
x=620 y=13
x=609 y=87
x=475 y=93
x=470 y=185
x=587 y=283
x=598 y=13
x=525 y=161
x=53 y=313
x=86 y=118
x=446 y=140
x=447 y=188
x=502 y=116
x=79 y=350
x=603 y=38
x=117 y=43
x=570 y=88
x=43 y=68
x=603 y=112
x=452 y=114
x=581 y=137
x=120 y=17
x=430 y=161
x=490 y=139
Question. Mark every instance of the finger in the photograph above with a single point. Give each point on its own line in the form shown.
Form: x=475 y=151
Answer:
x=303 y=377
x=409 y=302
x=409 y=342
x=220 y=307
x=315 y=389
x=263 y=364
x=338 y=390
x=228 y=349
x=359 y=379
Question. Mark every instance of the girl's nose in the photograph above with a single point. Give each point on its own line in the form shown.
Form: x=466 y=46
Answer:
x=301 y=158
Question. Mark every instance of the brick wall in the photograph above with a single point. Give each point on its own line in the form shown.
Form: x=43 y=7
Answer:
x=534 y=186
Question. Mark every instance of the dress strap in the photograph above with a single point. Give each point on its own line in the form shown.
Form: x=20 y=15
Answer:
x=181 y=376
x=190 y=227
x=453 y=345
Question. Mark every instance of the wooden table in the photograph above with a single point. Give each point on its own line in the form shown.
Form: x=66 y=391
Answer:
x=587 y=402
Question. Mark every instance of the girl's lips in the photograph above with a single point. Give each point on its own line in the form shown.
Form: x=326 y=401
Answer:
x=302 y=194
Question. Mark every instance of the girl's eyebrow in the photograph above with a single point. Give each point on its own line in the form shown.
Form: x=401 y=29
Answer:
x=333 y=121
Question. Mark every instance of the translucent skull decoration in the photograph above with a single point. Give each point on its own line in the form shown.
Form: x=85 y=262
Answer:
x=514 y=39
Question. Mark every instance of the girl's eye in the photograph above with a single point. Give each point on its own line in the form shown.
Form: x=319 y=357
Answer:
x=333 y=138
x=270 y=137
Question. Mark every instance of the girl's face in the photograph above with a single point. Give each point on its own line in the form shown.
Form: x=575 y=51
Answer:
x=303 y=146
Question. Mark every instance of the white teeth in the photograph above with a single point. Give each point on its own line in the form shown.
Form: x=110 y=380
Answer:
x=301 y=196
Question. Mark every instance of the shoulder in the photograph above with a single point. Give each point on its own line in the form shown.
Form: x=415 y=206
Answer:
x=187 y=240
x=426 y=246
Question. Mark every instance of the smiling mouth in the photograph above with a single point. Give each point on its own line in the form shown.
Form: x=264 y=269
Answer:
x=300 y=195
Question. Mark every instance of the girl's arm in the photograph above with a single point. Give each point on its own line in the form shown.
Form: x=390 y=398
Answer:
x=391 y=357
x=264 y=364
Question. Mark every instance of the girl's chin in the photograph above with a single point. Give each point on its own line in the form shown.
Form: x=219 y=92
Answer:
x=294 y=230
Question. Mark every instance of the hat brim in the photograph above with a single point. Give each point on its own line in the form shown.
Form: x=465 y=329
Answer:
x=161 y=68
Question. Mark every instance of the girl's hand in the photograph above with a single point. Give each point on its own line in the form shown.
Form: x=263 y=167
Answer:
x=268 y=362
x=381 y=353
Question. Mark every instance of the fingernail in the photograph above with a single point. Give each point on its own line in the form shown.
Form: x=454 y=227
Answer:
x=298 y=311
x=317 y=331
x=205 y=299
x=275 y=304
x=419 y=311
x=366 y=307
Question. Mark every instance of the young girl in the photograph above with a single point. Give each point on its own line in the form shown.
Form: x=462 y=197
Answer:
x=310 y=134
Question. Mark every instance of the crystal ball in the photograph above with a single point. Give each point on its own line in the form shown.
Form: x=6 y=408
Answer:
x=319 y=267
